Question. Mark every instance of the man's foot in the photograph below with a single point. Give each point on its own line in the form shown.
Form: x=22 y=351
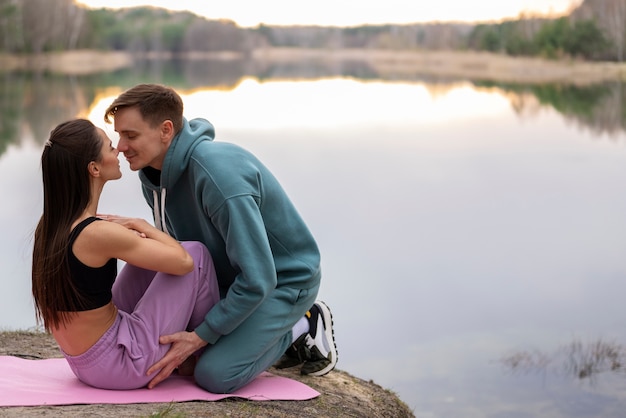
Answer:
x=320 y=340
x=296 y=354
x=315 y=350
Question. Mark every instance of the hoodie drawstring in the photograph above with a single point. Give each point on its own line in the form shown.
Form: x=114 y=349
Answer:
x=159 y=215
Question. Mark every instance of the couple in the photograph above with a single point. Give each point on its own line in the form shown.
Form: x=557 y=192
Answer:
x=235 y=296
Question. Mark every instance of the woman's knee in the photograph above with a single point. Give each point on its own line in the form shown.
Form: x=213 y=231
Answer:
x=198 y=251
x=201 y=257
x=195 y=248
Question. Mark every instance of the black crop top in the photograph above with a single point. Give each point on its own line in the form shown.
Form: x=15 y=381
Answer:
x=93 y=283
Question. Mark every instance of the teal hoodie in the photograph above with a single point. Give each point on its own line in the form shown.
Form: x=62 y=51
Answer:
x=223 y=196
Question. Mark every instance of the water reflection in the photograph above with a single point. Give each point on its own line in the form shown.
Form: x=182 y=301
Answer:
x=36 y=102
x=599 y=108
x=33 y=104
x=579 y=360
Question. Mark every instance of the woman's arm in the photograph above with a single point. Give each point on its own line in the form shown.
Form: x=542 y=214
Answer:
x=134 y=241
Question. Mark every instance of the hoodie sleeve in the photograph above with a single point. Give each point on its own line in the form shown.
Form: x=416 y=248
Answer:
x=240 y=223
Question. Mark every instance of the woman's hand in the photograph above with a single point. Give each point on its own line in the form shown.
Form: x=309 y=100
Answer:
x=130 y=223
x=154 y=250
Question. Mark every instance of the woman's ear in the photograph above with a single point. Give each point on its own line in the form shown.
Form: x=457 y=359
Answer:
x=93 y=168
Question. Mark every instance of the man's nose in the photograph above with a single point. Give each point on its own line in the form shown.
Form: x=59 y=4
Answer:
x=122 y=145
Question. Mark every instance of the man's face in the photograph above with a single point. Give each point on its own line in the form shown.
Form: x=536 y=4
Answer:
x=141 y=144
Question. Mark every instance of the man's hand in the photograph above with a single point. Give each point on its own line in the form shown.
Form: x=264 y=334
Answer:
x=184 y=344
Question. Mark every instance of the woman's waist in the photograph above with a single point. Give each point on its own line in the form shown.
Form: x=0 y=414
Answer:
x=84 y=329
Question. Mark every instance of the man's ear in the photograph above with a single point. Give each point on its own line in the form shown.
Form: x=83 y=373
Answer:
x=167 y=131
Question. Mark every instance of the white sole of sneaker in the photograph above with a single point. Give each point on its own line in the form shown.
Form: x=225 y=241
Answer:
x=329 y=334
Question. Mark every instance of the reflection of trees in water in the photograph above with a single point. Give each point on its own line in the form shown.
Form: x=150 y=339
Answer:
x=185 y=74
x=577 y=359
x=315 y=69
x=11 y=96
x=216 y=73
x=36 y=102
x=50 y=100
x=228 y=73
x=599 y=108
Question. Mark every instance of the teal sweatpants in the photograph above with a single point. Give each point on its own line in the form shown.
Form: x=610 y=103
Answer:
x=239 y=357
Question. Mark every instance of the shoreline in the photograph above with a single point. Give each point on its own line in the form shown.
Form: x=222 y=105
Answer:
x=472 y=65
x=341 y=394
x=388 y=63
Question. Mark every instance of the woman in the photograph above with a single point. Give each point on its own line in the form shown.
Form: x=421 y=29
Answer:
x=108 y=328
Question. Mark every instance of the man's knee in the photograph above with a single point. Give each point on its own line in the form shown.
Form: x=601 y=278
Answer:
x=216 y=377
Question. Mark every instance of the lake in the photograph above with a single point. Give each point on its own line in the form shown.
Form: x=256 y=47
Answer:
x=472 y=234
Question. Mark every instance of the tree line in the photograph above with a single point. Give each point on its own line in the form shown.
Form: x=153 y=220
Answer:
x=596 y=30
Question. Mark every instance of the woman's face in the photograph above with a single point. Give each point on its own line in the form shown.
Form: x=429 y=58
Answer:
x=109 y=163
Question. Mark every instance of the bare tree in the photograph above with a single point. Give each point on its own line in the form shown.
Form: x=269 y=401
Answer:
x=616 y=19
x=76 y=17
x=37 y=23
x=11 y=23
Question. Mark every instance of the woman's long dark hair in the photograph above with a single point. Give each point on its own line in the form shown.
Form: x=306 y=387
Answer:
x=66 y=193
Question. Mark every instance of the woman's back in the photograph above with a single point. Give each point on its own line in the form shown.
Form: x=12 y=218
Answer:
x=93 y=280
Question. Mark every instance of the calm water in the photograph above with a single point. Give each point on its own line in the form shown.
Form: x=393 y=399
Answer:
x=459 y=223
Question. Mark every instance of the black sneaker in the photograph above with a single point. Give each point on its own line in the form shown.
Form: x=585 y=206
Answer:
x=296 y=354
x=320 y=342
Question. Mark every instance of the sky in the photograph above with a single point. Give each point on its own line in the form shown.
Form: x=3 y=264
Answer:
x=249 y=13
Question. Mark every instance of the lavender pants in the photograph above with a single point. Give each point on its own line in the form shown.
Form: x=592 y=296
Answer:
x=150 y=304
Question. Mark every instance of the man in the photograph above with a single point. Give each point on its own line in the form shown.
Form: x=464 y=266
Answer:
x=267 y=261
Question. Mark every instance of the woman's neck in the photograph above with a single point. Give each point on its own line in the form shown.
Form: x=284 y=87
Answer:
x=96 y=191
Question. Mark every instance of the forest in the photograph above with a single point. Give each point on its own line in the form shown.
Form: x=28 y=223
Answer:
x=595 y=30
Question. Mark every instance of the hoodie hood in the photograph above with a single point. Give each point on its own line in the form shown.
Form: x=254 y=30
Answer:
x=175 y=163
x=177 y=158
x=178 y=154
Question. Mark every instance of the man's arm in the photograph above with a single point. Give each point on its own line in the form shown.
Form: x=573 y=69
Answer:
x=249 y=252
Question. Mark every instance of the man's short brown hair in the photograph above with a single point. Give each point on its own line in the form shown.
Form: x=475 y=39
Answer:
x=156 y=103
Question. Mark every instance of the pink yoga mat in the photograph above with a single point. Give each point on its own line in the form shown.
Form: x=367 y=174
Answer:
x=51 y=382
